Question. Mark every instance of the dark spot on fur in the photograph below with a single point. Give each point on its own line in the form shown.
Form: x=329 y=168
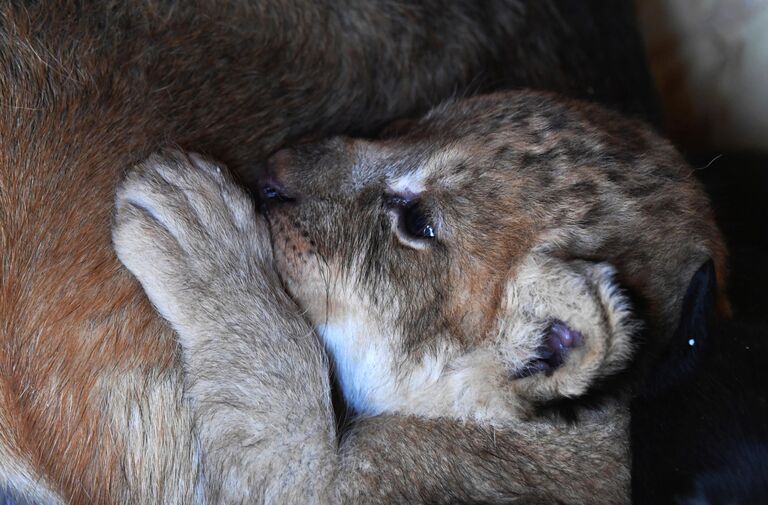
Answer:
x=625 y=157
x=558 y=121
x=527 y=159
x=502 y=154
x=666 y=173
x=585 y=189
x=576 y=150
x=592 y=217
x=643 y=190
x=616 y=177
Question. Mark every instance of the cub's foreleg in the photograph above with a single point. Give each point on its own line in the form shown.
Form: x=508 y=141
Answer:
x=254 y=371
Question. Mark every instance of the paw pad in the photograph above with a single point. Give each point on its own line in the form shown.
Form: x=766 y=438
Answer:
x=559 y=339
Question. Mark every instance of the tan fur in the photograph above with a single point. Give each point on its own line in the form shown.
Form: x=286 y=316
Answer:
x=91 y=391
x=405 y=319
x=521 y=189
x=586 y=297
x=255 y=375
x=471 y=382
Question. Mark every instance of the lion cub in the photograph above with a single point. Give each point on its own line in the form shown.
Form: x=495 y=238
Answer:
x=458 y=267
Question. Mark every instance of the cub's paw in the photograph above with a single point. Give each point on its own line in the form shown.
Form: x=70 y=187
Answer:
x=557 y=341
x=575 y=324
x=187 y=232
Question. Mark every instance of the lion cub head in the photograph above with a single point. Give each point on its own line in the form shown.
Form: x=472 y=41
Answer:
x=464 y=265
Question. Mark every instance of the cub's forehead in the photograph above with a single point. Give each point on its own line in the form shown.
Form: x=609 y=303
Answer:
x=438 y=169
x=412 y=182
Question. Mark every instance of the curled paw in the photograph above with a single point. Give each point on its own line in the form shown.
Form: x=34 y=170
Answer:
x=182 y=226
x=579 y=328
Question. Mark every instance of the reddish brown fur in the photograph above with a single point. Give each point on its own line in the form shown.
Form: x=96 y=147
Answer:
x=508 y=173
x=88 y=88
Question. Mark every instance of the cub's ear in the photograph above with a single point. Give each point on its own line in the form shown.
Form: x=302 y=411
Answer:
x=677 y=360
x=698 y=309
x=697 y=319
x=563 y=326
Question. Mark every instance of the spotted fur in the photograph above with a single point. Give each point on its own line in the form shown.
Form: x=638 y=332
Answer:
x=91 y=392
x=438 y=331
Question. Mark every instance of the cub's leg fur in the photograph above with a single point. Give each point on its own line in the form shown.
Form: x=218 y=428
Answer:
x=259 y=387
x=233 y=319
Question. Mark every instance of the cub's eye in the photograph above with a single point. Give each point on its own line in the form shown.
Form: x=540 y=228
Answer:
x=415 y=223
x=411 y=223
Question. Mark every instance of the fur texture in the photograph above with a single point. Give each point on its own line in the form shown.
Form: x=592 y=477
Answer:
x=258 y=385
x=435 y=325
x=496 y=177
x=90 y=379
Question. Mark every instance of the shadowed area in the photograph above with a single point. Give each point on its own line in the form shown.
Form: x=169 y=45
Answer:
x=698 y=430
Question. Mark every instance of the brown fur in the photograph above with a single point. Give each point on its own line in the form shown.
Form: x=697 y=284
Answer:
x=90 y=387
x=259 y=388
x=505 y=175
x=501 y=178
x=508 y=181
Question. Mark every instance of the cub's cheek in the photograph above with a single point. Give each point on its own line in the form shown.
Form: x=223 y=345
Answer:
x=300 y=274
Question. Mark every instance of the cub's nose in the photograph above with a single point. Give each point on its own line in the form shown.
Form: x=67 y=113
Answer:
x=271 y=183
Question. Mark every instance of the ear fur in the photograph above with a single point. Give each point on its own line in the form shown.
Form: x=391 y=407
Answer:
x=583 y=295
